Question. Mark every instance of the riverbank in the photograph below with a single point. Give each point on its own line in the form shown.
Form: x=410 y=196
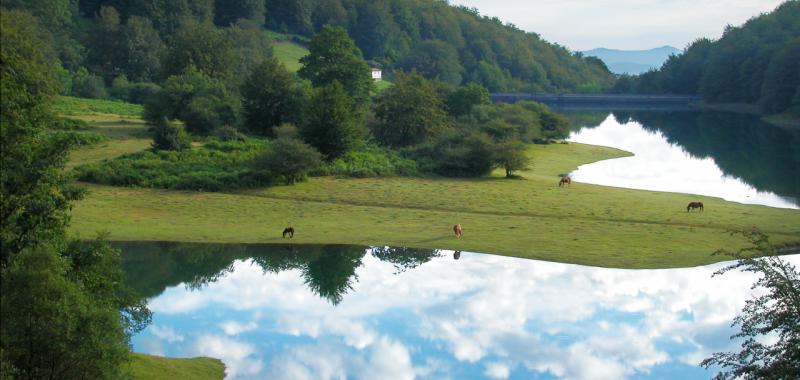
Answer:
x=530 y=217
x=148 y=367
x=783 y=120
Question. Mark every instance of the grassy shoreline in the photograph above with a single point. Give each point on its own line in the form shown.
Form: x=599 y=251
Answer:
x=147 y=367
x=530 y=217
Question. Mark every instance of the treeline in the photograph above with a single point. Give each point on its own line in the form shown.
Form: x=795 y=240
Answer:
x=273 y=127
x=119 y=48
x=756 y=63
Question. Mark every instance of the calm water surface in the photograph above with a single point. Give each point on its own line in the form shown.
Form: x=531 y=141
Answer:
x=734 y=157
x=322 y=312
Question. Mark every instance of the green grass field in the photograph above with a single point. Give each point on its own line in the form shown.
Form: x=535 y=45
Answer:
x=289 y=53
x=530 y=217
x=147 y=367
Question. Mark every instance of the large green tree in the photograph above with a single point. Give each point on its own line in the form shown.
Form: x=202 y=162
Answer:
x=202 y=46
x=266 y=96
x=333 y=56
x=409 y=112
x=331 y=125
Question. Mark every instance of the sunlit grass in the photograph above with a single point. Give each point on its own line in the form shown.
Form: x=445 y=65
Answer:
x=289 y=53
x=147 y=367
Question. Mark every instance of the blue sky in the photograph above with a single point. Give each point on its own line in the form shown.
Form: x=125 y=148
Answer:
x=622 y=24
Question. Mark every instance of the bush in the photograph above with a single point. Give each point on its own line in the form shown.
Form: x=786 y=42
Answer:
x=456 y=154
x=87 y=85
x=228 y=133
x=170 y=136
x=291 y=159
x=370 y=161
x=217 y=165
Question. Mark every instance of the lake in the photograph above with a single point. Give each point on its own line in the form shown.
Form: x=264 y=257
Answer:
x=731 y=156
x=319 y=312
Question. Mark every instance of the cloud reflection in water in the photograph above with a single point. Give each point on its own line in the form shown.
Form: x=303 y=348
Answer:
x=482 y=316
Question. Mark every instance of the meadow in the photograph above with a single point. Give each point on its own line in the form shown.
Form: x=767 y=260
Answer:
x=529 y=217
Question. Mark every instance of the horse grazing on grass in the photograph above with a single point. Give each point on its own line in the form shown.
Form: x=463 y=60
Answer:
x=457 y=230
x=288 y=231
x=564 y=181
x=694 y=205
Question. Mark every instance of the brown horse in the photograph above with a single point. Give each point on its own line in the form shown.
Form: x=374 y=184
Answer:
x=288 y=231
x=564 y=181
x=457 y=230
x=694 y=205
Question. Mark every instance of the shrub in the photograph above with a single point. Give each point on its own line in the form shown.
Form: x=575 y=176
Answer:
x=170 y=136
x=228 y=133
x=87 y=85
x=291 y=159
x=370 y=161
x=215 y=166
x=456 y=154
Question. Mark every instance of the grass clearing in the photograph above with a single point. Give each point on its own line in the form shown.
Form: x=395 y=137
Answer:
x=289 y=53
x=531 y=217
x=148 y=367
x=70 y=106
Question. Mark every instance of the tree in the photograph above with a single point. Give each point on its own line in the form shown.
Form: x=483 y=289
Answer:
x=776 y=312
x=251 y=46
x=201 y=46
x=265 y=96
x=141 y=48
x=511 y=156
x=461 y=101
x=31 y=178
x=227 y=12
x=331 y=125
x=203 y=103
x=409 y=112
x=333 y=56
x=435 y=60
x=170 y=136
x=289 y=158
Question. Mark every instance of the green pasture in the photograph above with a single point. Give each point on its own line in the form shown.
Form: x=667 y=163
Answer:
x=147 y=367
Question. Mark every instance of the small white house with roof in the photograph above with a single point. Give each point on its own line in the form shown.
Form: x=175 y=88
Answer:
x=376 y=74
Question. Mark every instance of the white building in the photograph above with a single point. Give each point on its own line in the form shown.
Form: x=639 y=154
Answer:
x=376 y=74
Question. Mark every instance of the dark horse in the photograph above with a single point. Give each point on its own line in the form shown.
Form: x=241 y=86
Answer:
x=288 y=231
x=564 y=181
x=694 y=205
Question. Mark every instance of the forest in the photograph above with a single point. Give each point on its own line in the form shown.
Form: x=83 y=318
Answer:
x=136 y=42
x=756 y=63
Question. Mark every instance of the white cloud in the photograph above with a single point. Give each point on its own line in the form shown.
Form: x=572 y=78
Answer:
x=236 y=328
x=497 y=370
x=239 y=357
x=166 y=333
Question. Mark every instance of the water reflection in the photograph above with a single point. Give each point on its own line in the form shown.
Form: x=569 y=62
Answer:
x=275 y=312
x=734 y=157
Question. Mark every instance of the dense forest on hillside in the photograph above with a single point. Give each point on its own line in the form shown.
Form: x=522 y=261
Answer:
x=756 y=63
x=109 y=39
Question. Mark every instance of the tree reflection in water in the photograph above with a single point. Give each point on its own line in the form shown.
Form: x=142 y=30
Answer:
x=329 y=271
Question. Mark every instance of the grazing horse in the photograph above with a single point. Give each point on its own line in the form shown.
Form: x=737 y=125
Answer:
x=457 y=230
x=564 y=181
x=694 y=205
x=288 y=231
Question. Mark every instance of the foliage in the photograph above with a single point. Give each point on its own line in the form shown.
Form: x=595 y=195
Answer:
x=524 y=121
x=774 y=313
x=215 y=166
x=409 y=112
x=370 y=161
x=251 y=46
x=87 y=85
x=334 y=57
x=331 y=125
x=456 y=154
x=35 y=194
x=266 y=96
x=228 y=12
x=290 y=159
x=202 y=46
x=200 y=101
x=461 y=101
x=170 y=136
x=66 y=313
x=511 y=156
x=436 y=60
x=228 y=133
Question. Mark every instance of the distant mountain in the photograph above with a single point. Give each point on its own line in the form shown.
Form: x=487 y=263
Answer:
x=632 y=61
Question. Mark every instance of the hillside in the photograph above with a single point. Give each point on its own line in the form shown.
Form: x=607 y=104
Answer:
x=752 y=64
x=99 y=42
x=633 y=61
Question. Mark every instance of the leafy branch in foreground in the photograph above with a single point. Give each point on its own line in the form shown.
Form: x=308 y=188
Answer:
x=775 y=313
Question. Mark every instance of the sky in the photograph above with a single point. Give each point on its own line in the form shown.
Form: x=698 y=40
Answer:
x=622 y=24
